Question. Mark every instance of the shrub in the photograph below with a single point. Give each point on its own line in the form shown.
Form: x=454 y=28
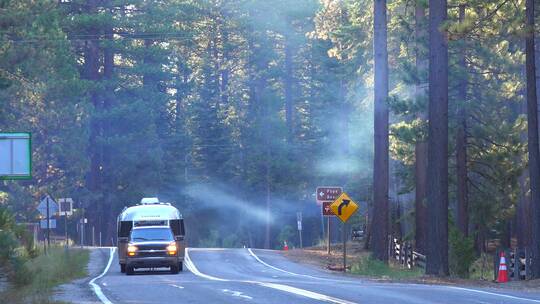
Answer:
x=7 y=221
x=482 y=268
x=8 y=244
x=287 y=233
x=211 y=241
x=231 y=241
x=462 y=254
x=18 y=273
x=369 y=266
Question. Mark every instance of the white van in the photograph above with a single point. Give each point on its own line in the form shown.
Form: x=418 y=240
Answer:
x=151 y=234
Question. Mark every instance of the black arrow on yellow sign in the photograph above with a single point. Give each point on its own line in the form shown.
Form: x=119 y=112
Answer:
x=344 y=203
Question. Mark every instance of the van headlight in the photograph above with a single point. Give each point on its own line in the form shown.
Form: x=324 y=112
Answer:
x=171 y=249
x=131 y=250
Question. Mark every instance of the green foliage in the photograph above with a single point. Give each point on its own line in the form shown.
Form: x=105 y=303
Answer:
x=369 y=266
x=211 y=241
x=231 y=241
x=287 y=234
x=8 y=244
x=482 y=268
x=35 y=278
x=462 y=253
x=136 y=98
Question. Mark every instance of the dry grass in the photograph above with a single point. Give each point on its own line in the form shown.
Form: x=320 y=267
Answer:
x=45 y=272
x=363 y=265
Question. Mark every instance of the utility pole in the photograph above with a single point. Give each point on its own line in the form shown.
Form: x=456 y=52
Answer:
x=82 y=229
x=48 y=223
x=65 y=229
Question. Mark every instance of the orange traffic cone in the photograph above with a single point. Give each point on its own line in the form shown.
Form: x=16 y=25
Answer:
x=285 y=246
x=502 y=277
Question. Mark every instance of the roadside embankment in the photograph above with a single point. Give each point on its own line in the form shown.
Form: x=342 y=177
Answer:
x=78 y=291
x=364 y=266
x=36 y=278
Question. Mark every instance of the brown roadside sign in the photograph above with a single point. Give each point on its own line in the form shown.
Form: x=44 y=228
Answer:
x=328 y=194
x=326 y=210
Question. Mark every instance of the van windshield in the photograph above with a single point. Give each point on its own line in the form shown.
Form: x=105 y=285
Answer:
x=152 y=234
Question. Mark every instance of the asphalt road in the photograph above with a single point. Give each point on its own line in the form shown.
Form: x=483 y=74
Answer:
x=262 y=276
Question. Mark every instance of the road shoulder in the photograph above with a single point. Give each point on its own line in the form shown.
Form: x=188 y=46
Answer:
x=317 y=258
x=79 y=291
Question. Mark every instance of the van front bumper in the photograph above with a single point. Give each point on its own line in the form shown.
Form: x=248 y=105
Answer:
x=152 y=262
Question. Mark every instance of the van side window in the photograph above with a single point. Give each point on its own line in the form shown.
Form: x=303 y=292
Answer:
x=177 y=227
x=124 y=228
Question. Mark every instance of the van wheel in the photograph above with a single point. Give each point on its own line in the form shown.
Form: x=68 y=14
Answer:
x=130 y=270
x=123 y=268
x=175 y=269
x=181 y=266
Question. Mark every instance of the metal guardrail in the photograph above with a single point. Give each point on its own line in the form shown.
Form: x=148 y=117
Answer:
x=518 y=260
x=404 y=253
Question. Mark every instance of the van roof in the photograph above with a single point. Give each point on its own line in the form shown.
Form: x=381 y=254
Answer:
x=151 y=212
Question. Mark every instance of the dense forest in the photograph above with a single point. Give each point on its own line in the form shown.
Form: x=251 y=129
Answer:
x=235 y=110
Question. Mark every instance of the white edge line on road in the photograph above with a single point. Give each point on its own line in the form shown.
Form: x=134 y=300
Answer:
x=301 y=292
x=208 y=249
x=191 y=266
x=452 y=287
x=97 y=289
x=494 y=294
x=283 y=270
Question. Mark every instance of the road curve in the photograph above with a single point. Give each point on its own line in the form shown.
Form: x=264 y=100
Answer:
x=265 y=276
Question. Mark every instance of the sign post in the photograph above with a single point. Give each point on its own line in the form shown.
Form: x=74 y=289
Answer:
x=325 y=196
x=66 y=209
x=327 y=212
x=328 y=236
x=46 y=208
x=48 y=224
x=344 y=207
x=299 y=222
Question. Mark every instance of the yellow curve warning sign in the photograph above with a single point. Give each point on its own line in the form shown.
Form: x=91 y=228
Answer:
x=344 y=207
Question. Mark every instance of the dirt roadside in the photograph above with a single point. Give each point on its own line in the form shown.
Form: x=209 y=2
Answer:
x=317 y=257
x=79 y=291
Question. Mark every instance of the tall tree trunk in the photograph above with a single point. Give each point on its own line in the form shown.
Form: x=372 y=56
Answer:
x=91 y=73
x=260 y=111
x=108 y=97
x=421 y=151
x=523 y=209
x=437 y=192
x=225 y=68
x=534 y=152
x=379 y=238
x=288 y=84
x=421 y=148
x=522 y=218
x=461 y=143
x=267 y=165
